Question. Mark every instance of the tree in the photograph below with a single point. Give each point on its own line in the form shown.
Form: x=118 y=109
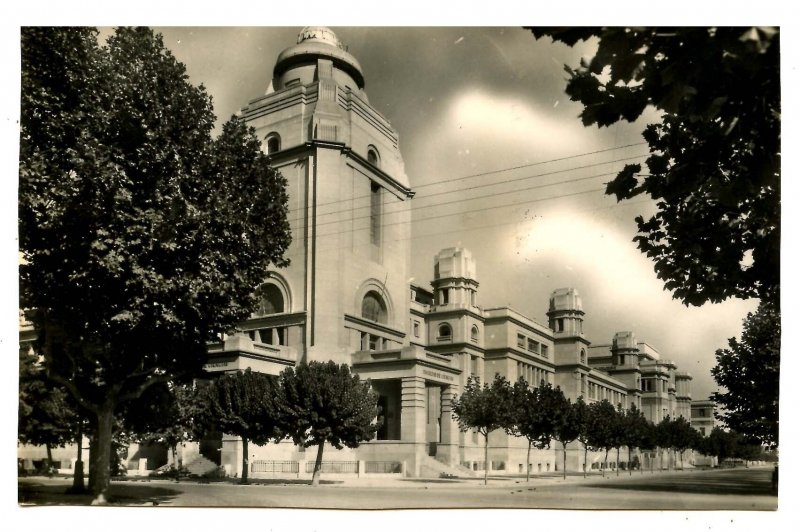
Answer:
x=584 y=414
x=142 y=238
x=683 y=436
x=324 y=402
x=749 y=369
x=528 y=419
x=634 y=427
x=714 y=156
x=603 y=428
x=567 y=425
x=483 y=408
x=246 y=404
x=45 y=414
x=649 y=440
x=663 y=434
x=168 y=414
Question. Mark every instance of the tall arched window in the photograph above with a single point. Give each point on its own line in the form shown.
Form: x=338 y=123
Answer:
x=270 y=299
x=474 y=333
x=372 y=156
x=583 y=356
x=373 y=308
x=445 y=331
x=273 y=143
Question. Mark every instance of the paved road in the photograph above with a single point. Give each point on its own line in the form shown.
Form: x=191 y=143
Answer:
x=738 y=489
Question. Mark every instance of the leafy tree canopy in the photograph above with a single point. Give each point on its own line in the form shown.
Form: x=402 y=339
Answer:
x=46 y=416
x=142 y=237
x=324 y=402
x=714 y=164
x=749 y=369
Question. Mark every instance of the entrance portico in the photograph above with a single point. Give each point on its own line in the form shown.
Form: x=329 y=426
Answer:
x=422 y=384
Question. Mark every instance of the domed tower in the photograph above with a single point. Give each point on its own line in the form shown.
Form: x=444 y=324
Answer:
x=565 y=314
x=346 y=289
x=455 y=322
x=624 y=349
x=565 y=317
x=454 y=282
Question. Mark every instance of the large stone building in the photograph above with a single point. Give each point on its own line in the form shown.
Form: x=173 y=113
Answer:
x=346 y=297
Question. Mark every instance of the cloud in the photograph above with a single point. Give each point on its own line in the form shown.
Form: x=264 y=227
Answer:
x=505 y=119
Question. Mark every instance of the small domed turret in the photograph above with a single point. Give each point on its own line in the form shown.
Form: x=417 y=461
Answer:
x=565 y=313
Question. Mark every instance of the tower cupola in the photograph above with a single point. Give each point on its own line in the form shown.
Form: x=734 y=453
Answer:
x=454 y=282
x=299 y=64
x=565 y=313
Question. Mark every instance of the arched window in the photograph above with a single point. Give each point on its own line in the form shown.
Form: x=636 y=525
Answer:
x=373 y=308
x=583 y=356
x=474 y=333
x=445 y=331
x=373 y=157
x=270 y=299
x=273 y=143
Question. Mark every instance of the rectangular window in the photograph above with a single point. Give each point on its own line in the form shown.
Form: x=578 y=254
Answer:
x=416 y=329
x=375 y=214
x=560 y=325
x=374 y=342
x=531 y=345
x=445 y=296
x=544 y=351
x=520 y=341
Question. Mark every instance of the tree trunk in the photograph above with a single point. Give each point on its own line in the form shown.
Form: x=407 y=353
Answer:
x=585 y=459
x=565 y=460
x=102 y=475
x=92 y=459
x=49 y=465
x=245 y=461
x=77 y=477
x=486 y=459
x=630 y=466
x=175 y=465
x=605 y=463
x=318 y=465
x=617 y=461
x=528 y=464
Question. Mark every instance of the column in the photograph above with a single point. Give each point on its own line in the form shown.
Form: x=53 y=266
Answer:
x=447 y=450
x=412 y=413
x=412 y=420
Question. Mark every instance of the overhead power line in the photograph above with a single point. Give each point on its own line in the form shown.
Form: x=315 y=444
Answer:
x=463 y=200
x=475 y=187
x=497 y=171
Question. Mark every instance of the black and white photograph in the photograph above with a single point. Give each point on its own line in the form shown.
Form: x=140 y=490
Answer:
x=431 y=267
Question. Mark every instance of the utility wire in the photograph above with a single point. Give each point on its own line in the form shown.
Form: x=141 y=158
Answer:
x=487 y=226
x=500 y=170
x=458 y=200
x=489 y=195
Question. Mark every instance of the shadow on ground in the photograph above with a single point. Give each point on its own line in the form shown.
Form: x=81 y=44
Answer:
x=31 y=492
x=726 y=483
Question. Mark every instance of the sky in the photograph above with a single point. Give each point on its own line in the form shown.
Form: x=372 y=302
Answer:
x=502 y=166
